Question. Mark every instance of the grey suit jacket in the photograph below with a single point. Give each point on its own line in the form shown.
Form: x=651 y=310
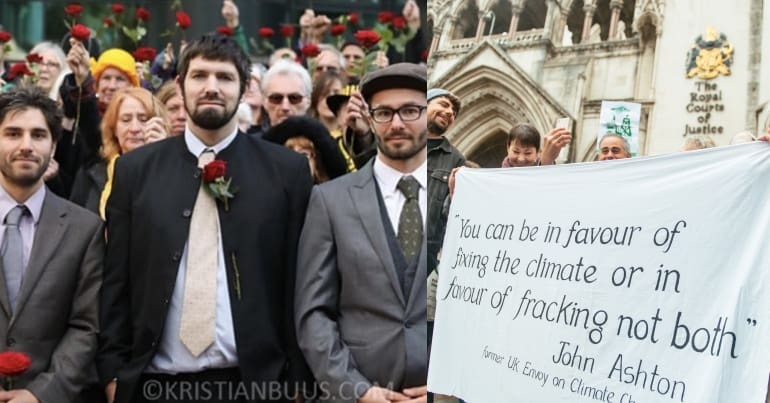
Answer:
x=56 y=320
x=354 y=324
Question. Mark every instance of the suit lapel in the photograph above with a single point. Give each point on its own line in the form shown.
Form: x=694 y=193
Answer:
x=364 y=196
x=48 y=235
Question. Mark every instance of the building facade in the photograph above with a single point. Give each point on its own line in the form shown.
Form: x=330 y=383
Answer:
x=694 y=66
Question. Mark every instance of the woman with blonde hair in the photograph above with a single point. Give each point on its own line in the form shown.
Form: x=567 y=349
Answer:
x=133 y=118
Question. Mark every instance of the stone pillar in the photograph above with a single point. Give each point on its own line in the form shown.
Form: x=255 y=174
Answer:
x=451 y=27
x=480 y=27
x=515 y=11
x=549 y=18
x=434 y=41
x=589 y=9
x=615 y=6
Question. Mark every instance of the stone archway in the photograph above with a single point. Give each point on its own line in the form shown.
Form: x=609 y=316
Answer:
x=496 y=94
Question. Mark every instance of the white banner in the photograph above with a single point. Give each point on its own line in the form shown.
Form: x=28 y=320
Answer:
x=639 y=280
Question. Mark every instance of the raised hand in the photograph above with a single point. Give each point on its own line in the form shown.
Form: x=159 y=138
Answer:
x=230 y=13
x=553 y=142
x=357 y=112
x=411 y=12
x=154 y=130
x=79 y=61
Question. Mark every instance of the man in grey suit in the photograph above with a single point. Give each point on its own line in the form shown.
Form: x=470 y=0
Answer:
x=52 y=253
x=360 y=296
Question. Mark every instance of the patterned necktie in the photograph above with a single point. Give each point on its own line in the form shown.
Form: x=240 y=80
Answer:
x=410 y=221
x=13 y=254
x=197 y=324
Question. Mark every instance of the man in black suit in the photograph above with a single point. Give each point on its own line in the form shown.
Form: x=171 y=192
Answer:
x=174 y=327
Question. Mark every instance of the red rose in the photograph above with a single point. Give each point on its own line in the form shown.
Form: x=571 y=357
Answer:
x=142 y=14
x=385 y=17
x=310 y=50
x=145 y=54
x=399 y=22
x=5 y=36
x=107 y=22
x=213 y=170
x=287 y=30
x=80 y=32
x=18 y=70
x=117 y=8
x=226 y=31
x=266 y=32
x=34 y=58
x=13 y=363
x=367 y=38
x=183 y=19
x=73 y=10
x=353 y=18
x=337 y=29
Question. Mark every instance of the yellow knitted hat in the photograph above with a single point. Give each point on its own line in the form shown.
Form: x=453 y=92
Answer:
x=119 y=59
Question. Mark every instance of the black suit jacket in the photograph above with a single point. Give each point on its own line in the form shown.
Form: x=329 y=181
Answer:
x=148 y=218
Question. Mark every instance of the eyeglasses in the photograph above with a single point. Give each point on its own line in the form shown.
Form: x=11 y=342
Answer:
x=50 y=65
x=407 y=113
x=277 y=99
x=321 y=69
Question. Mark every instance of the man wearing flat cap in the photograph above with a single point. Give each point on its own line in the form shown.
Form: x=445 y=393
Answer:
x=360 y=302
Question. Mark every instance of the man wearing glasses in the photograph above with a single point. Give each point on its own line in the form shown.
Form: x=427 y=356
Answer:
x=330 y=59
x=287 y=87
x=360 y=301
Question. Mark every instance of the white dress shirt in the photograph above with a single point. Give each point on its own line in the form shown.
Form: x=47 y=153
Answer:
x=387 y=180
x=172 y=356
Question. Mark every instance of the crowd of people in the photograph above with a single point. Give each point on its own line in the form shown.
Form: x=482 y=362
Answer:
x=243 y=233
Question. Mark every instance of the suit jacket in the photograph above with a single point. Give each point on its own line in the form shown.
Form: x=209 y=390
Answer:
x=354 y=323
x=56 y=319
x=88 y=186
x=148 y=220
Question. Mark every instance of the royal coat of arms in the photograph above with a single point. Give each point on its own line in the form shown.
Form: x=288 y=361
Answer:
x=710 y=56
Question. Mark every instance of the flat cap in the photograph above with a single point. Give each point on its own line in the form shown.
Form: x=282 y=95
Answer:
x=399 y=75
x=437 y=92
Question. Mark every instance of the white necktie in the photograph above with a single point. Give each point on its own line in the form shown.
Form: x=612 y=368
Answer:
x=197 y=327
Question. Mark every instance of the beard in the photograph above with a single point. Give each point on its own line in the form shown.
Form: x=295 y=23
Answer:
x=435 y=128
x=25 y=179
x=406 y=151
x=210 y=118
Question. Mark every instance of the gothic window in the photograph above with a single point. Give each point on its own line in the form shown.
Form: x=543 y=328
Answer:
x=575 y=20
x=627 y=16
x=533 y=15
x=467 y=21
x=501 y=13
x=602 y=18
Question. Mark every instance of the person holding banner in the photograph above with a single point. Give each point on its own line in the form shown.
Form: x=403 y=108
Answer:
x=360 y=301
x=613 y=147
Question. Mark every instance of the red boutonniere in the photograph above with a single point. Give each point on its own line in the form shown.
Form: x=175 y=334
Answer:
x=12 y=364
x=214 y=178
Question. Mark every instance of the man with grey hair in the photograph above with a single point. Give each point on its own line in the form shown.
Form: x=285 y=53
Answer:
x=613 y=147
x=286 y=87
x=329 y=59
